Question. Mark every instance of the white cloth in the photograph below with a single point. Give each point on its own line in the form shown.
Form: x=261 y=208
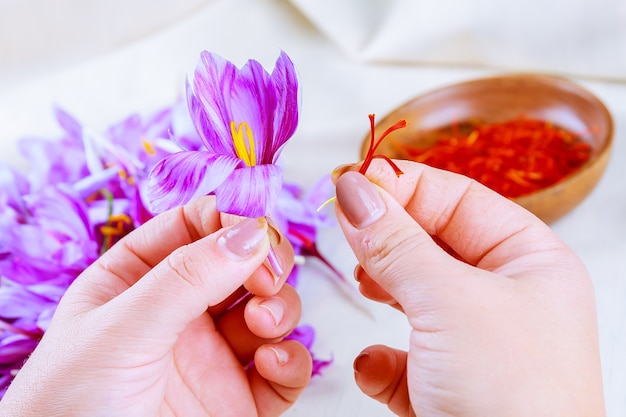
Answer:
x=334 y=45
x=39 y=35
x=567 y=36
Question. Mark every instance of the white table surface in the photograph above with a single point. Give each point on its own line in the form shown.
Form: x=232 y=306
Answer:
x=102 y=82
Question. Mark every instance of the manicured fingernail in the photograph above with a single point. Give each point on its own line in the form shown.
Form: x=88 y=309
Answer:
x=276 y=309
x=281 y=354
x=359 y=199
x=340 y=170
x=360 y=362
x=244 y=238
x=273 y=231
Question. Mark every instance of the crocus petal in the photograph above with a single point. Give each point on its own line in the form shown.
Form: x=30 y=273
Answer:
x=94 y=182
x=183 y=132
x=73 y=128
x=254 y=102
x=209 y=136
x=100 y=210
x=17 y=301
x=184 y=176
x=304 y=334
x=285 y=80
x=51 y=239
x=12 y=186
x=250 y=192
x=15 y=348
x=213 y=85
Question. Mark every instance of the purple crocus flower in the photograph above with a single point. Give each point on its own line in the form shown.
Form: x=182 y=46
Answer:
x=24 y=316
x=243 y=117
x=56 y=161
x=45 y=236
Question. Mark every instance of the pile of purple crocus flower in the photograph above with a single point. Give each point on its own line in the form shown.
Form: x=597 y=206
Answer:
x=85 y=190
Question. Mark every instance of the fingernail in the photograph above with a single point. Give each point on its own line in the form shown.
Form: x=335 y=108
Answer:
x=359 y=200
x=273 y=231
x=339 y=171
x=281 y=354
x=357 y=272
x=360 y=362
x=244 y=238
x=276 y=309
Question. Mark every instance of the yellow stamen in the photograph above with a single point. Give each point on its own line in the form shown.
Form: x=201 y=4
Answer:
x=112 y=230
x=148 y=147
x=124 y=218
x=115 y=225
x=244 y=151
x=124 y=176
x=326 y=203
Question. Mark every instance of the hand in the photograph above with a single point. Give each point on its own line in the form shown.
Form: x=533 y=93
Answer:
x=502 y=312
x=147 y=329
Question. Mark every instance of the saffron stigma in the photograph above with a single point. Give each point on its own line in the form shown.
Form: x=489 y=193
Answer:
x=371 y=152
x=375 y=143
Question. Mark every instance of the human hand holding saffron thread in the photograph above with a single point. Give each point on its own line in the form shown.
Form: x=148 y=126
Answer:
x=150 y=328
x=502 y=312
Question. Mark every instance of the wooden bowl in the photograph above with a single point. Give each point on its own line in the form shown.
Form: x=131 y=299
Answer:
x=501 y=98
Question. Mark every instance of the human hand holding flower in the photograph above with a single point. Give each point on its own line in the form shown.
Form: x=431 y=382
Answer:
x=502 y=312
x=148 y=329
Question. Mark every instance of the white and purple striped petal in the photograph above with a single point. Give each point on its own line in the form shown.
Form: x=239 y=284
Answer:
x=183 y=176
x=250 y=191
x=285 y=80
x=254 y=101
x=213 y=87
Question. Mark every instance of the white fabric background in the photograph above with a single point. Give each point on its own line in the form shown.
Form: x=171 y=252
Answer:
x=102 y=60
x=569 y=36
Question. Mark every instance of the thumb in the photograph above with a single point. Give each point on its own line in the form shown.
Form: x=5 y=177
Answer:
x=390 y=245
x=192 y=278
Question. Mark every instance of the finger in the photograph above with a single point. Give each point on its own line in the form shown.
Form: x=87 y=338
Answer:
x=263 y=281
x=372 y=290
x=276 y=316
x=267 y=281
x=189 y=280
x=136 y=254
x=260 y=320
x=240 y=295
x=391 y=246
x=280 y=373
x=380 y=372
x=482 y=227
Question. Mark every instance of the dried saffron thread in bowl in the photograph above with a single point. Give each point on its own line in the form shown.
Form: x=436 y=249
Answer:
x=514 y=158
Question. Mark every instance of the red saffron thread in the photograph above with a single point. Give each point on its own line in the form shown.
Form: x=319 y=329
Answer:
x=514 y=158
x=374 y=144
